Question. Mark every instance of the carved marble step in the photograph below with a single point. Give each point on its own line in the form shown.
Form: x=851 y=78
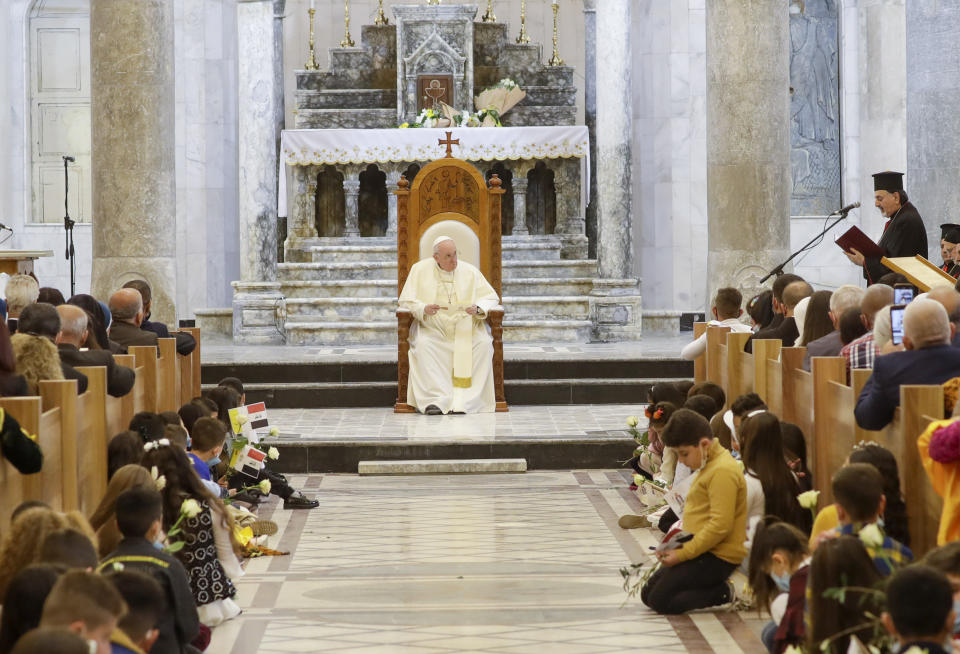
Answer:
x=379 y=333
x=520 y=57
x=383 y=309
x=358 y=253
x=549 y=96
x=558 y=76
x=561 y=268
x=337 y=271
x=551 y=269
x=387 y=288
x=533 y=248
x=522 y=115
x=347 y=99
x=350 y=59
x=345 y=118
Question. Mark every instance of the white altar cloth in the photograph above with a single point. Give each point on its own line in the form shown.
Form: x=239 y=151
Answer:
x=317 y=147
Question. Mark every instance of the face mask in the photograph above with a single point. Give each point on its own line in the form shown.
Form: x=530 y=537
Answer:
x=956 y=619
x=93 y=647
x=782 y=581
x=158 y=544
x=703 y=457
x=213 y=462
x=880 y=522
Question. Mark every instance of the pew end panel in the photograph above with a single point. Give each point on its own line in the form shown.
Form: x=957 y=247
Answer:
x=167 y=386
x=833 y=429
x=919 y=404
x=146 y=357
x=716 y=362
x=61 y=396
x=765 y=353
x=739 y=365
x=17 y=487
x=700 y=363
x=94 y=437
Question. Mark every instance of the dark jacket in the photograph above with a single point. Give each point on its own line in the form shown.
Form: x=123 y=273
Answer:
x=825 y=346
x=880 y=396
x=13 y=385
x=12 y=325
x=127 y=334
x=120 y=379
x=905 y=237
x=180 y=623
x=70 y=373
x=185 y=342
x=786 y=332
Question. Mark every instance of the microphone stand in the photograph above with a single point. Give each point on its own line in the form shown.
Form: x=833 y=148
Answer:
x=68 y=223
x=779 y=269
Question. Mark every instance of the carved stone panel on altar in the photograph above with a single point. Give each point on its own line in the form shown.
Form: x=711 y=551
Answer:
x=433 y=42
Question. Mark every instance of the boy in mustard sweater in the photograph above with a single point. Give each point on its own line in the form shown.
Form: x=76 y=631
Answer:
x=715 y=512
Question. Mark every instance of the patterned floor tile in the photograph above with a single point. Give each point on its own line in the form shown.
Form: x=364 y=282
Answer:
x=430 y=564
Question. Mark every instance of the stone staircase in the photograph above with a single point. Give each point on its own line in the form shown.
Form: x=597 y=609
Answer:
x=344 y=292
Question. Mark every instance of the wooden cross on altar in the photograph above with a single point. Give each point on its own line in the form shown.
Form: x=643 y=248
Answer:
x=449 y=142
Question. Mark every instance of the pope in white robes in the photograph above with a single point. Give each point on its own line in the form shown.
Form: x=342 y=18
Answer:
x=451 y=350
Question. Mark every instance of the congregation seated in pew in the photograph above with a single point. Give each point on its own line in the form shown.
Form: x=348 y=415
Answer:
x=185 y=342
x=73 y=334
x=928 y=358
x=830 y=344
x=34 y=346
x=126 y=308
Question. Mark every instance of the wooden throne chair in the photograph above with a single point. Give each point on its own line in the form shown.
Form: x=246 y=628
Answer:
x=449 y=197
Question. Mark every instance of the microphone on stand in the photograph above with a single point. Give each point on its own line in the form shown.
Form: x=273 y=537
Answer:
x=846 y=209
x=67 y=157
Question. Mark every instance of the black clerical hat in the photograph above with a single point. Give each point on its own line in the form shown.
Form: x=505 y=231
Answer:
x=950 y=233
x=888 y=181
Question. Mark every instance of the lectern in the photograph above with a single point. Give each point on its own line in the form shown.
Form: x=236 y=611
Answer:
x=13 y=262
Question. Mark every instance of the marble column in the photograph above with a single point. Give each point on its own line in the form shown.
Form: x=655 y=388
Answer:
x=393 y=176
x=933 y=125
x=257 y=297
x=520 y=204
x=882 y=74
x=351 y=197
x=590 y=114
x=748 y=141
x=615 y=298
x=132 y=130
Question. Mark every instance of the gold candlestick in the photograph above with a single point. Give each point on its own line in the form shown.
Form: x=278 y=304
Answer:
x=489 y=16
x=523 y=38
x=347 y=42
x=381 y=18
x=312 y=60
x=555 y=60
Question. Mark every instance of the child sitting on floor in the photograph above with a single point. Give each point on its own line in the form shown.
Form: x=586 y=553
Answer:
x=946 y=559
x=86 y=604
x=779 y=565
x=695 y=576
x=858 y=489
x=139 y=514
x=209 y=436
x=209 y=551
x=919 y=609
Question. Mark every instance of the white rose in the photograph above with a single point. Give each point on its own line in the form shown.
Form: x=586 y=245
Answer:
x=273 y=453
x=871 y=536
x=242 y=420
x=638 y=479
x=632 y=421
x=190 y=508
x=274 y=432
x=264 y=486
x=809 y=499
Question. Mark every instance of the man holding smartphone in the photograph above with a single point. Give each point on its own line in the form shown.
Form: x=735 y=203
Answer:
x=928 y=358
x=904 y=234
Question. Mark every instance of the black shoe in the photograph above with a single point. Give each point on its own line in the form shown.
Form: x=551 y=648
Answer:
x=433 y=410
x=252 y=496
x=298 y=501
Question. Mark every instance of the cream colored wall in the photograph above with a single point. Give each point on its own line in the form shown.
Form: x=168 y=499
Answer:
x=328 y=28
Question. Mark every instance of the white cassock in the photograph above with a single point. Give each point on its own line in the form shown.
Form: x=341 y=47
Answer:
x=451 y=352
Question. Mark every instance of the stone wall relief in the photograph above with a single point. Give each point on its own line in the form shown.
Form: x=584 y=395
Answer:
x=814 y=107
x=434 y=56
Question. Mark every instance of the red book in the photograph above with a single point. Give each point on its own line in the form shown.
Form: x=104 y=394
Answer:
x=853 y=238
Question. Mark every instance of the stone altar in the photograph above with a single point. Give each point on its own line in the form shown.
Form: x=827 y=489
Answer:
x=339 y=254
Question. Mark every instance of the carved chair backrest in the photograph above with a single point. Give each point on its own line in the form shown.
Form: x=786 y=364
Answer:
x=448 y=190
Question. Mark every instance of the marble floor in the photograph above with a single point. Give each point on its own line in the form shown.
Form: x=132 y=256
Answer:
x=219 y=350
x=527 y=422
x=484 y=563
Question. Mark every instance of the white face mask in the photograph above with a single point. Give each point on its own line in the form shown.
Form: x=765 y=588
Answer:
x=704 y=456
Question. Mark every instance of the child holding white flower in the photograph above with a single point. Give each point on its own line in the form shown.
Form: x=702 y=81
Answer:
x=858 y=490
x=209 y=553
x=208 y=438
x=920 y=610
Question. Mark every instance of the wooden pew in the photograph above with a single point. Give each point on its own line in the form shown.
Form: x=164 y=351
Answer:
x=45 y=485
x=833 y=428
x=797 y=391
x=766 y=377
x=168 y=388
x=716 y=355
x=739 y=366
x=919 y=405
x=189 y=367
x=146 y=357
x=93 y=435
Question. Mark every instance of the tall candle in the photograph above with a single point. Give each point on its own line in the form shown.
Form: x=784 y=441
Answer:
x=311 y=4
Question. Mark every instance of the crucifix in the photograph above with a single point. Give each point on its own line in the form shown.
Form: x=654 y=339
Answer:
x=449 y=142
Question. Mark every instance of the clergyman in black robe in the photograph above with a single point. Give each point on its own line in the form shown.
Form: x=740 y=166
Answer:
x=904 y=234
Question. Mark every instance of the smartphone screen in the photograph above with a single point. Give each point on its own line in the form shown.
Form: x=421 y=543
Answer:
x=902 y=294
x=896 y=323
